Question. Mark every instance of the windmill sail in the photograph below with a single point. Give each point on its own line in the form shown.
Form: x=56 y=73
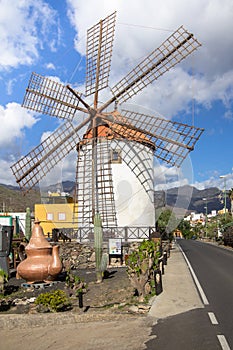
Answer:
x=172 y=140
x=99 y=53
x=173 y=50
x=47 y=96
x=30 y=169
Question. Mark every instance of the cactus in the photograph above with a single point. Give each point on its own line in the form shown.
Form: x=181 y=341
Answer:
x=104 y=262
x=98 y=240
x=28 y=226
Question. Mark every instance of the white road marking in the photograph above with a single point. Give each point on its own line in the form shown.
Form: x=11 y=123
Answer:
x=202 y=294
x=223 y=342
x=212 y=318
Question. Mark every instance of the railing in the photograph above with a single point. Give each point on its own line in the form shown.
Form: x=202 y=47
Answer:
x=132 y=233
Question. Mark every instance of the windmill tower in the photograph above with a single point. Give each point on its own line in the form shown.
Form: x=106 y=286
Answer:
x=114 y=173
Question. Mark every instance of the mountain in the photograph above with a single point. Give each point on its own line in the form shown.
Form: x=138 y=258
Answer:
x=12 y=199
x=191 y=198
x=180 y=198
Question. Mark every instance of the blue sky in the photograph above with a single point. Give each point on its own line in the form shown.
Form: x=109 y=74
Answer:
x=49 y=38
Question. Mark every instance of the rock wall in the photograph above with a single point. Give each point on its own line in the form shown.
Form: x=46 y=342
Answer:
x=76 y=255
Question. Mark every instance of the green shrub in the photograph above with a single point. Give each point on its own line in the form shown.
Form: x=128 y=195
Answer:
x=53 y=301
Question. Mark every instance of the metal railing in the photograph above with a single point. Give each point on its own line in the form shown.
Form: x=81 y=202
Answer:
x=126 y=233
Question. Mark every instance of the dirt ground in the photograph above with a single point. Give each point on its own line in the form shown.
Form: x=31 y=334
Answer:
x=114 y=292
x=130 y=334
x=106 y=324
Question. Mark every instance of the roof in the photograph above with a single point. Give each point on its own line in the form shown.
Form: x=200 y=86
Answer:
x=114 y=126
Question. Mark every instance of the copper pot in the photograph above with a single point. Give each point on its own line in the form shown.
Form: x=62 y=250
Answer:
x=42 y=262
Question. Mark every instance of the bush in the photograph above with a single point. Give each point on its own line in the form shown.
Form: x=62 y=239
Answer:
x=140 y=267
x=53 y=301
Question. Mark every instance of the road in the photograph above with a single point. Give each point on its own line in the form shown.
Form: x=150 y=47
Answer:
x=212 y=326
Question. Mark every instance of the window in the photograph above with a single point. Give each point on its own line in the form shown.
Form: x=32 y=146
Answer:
x=61 y=216
x=116 y=156
x=50 y=216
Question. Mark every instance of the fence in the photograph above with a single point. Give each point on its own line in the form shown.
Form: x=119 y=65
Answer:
x=132 y=233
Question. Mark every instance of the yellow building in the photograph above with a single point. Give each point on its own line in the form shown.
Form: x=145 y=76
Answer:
x=56 y=211
x=222 y=211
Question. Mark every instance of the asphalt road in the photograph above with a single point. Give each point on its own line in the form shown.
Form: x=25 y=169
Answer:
x=210 y=327
x=213 y=267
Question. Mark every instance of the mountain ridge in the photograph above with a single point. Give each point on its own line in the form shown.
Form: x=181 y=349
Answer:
x=185 y=197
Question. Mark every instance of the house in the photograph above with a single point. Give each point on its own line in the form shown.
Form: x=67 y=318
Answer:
x=16 y=219
x=56 y=212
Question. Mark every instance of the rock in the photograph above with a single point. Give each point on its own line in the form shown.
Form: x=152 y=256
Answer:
x=143 y=308
x=92 y=257
x=133 y=308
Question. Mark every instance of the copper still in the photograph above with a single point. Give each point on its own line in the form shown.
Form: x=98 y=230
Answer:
x=43 y=262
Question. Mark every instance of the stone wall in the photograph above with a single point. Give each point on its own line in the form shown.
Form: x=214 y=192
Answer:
x=76 y=255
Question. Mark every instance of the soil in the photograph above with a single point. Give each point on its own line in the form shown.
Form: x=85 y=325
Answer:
x=115 y=292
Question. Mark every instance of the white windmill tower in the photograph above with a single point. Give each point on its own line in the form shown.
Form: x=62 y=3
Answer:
x=115 y=153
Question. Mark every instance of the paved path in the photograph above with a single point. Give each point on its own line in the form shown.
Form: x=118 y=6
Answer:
x=67 y=333
x=179 y=291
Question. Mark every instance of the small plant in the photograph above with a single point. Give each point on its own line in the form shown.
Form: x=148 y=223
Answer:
x=75 y=284
x=53 y=301
x=3 y=280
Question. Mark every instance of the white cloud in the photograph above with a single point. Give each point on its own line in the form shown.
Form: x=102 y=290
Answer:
x=215 y=181
x=7 y=177
x=24 y=27
x=211 y=23
x=50 y=65
x=14 y=119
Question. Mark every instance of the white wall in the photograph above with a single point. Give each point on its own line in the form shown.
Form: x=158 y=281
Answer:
x=134 y=203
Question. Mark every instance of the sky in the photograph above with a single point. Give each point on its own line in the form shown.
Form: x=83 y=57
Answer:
x=49 y=38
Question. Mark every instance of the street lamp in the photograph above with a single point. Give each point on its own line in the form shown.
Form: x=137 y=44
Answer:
x=225 y=197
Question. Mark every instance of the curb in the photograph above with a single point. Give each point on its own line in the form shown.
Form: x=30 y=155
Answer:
x=38 y=320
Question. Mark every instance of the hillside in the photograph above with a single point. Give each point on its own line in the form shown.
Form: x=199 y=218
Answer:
x=12 y=199
x=180 y=197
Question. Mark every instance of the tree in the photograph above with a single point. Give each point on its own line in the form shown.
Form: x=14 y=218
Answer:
x=230 y=193
x=166 y=224
x=186 y=229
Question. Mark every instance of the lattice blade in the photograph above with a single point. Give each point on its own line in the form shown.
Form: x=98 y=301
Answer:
x=46 y=96
x=172 y=141
x=29 y=170
x=99 y=53
x=177 y=47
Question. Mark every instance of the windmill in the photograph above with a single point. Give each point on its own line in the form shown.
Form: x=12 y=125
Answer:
x=124 y=137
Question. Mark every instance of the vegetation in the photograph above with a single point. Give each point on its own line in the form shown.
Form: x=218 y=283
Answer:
x=230 y=194
x=53 y=301
x=13 y=200
x=141 y=264
x=212 y=229
x=75 y=284
x=186 y=229
x=3 y=280
x=166 y=224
